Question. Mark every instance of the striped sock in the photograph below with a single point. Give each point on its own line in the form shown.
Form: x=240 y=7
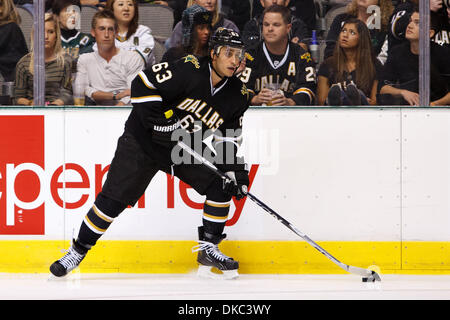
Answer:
x=94 y=225
x=215 y=215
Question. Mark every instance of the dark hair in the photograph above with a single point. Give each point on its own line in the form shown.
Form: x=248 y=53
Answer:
x=59 y=5
x=365 y=58
x=284 y=11
x=103 y=14
x=134 y=23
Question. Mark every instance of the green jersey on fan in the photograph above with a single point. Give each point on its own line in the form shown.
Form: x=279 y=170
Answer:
x=73 y=41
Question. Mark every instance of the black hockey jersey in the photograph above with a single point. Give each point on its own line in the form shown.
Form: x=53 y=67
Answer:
x=400 y=20
x=185 y=87
x=441 y=22
x=294 y=72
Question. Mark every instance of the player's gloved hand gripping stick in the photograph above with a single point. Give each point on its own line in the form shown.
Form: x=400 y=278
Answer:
x=367 y=274
x=238 y=186
x=163 y=129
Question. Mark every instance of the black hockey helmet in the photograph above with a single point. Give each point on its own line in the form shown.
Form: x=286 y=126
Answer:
x=224 y=37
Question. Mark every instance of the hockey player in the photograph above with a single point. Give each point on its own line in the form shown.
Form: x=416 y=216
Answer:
x=185 y=96
x=278 y=72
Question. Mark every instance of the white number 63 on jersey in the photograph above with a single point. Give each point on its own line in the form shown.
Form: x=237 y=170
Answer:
x=161 y=77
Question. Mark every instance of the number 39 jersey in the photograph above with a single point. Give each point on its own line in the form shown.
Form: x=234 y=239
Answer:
x=294 y=72
x=185 y=87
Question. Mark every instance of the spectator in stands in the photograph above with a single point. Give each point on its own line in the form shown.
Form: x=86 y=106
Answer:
x=196 y=32
x=177 y=6
x=73 y=41
x=305 y=10
x=237 y=11
x=217 y=21
x=58 y=69
x=252 y=33
x=26 y=4
x=278 y=72
x=400 y=79
x=12 y=41
x=360 y=9
x=439 y=20
x=130 y=34
x=106 y=74
x=440 y=13
x=98 y=3
x=399 y=21
x=349 y=76
x=302 y=9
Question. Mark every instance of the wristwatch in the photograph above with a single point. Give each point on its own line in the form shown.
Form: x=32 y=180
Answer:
x=114 y=96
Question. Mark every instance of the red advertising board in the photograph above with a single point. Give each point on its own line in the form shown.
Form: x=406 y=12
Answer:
x=21 y=158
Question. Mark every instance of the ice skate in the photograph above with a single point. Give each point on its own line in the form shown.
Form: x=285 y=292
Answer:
x=70 y=261
x=209 y=256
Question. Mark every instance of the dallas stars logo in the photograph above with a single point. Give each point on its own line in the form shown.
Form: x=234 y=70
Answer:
x=193 y=60
x=306 y=56
x=244 y=91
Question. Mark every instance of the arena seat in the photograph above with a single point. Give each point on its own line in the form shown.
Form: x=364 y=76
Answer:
x=158 y=18
x=26 y=25
x=87 y=13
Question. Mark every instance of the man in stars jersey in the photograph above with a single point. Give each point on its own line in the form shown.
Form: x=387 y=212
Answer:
x=182 y=98
x=278 y=72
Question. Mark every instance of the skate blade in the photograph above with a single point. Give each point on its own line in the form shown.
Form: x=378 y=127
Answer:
x=206 y=273
x=75 y=274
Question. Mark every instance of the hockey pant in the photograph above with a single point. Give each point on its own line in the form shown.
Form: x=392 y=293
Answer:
x=130 y=172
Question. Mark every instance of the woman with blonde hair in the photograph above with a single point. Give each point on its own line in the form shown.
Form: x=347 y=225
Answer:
x=12 y=42
x=374 y=13
x=176 y=39
x=58 y=66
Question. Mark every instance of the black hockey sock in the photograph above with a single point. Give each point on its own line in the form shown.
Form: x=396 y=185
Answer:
x=98 y=219
x=215 y=215
x=93 y=227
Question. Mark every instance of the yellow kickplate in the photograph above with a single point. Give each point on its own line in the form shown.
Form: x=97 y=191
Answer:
x=259 y=257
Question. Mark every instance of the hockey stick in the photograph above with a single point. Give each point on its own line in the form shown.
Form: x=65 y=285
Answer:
x=367 y=274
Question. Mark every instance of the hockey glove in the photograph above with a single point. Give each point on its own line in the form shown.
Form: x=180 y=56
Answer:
x=237 y=185
x=162 y=131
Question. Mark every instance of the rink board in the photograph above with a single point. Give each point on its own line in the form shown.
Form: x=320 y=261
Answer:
x=370 y=184
x=263 y=257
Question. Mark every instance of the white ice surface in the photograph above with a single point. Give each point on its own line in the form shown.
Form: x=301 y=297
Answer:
x=247 y=287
